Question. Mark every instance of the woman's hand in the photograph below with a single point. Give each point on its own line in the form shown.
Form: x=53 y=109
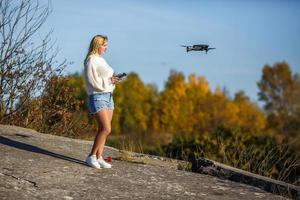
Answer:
x=114 y=79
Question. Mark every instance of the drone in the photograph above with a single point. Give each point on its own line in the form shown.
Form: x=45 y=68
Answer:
x=198 y=47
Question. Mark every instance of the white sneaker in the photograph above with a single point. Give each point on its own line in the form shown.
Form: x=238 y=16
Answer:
x=103 y=164
x=92 y=161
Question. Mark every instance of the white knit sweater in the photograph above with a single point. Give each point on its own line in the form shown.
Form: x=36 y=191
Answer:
x=98 y=75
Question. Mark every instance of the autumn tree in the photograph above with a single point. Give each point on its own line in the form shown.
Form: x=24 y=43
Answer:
x=133 y=100
x=194 y=119
x=77 y=83
x=249 y=116
x=280 y=92
x=170 y=102
x=192 y=108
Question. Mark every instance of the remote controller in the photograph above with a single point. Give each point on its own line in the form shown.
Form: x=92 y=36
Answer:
x=121 y=75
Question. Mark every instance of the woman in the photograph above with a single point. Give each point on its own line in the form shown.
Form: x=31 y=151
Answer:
x=100 y=83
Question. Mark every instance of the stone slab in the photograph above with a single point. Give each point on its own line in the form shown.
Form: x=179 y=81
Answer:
x=42 y=166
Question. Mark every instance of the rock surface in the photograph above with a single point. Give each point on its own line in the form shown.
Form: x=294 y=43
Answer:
x=41 y=166
x=210 y=167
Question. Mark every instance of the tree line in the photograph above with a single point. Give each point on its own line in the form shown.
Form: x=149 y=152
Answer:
x=186 y=120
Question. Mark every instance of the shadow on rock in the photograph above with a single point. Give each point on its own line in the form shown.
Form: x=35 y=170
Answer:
x=28 y=147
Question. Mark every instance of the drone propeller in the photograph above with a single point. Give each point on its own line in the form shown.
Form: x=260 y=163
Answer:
x=184 y=46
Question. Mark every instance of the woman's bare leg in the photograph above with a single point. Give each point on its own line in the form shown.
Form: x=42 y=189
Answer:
x=104 y=128
x=101 y=147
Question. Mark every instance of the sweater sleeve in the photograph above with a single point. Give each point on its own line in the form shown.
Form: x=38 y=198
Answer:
x=96 y=81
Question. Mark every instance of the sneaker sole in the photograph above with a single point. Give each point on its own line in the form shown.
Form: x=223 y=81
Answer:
x=92 y=166
x=106 y=167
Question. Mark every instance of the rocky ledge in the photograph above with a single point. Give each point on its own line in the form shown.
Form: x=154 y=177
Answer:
x=42 y=166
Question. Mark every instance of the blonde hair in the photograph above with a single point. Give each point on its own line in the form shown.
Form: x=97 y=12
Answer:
x=95 y=43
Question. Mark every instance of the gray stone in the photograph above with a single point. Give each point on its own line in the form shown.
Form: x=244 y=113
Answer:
x=42 y=166
x=210 y=167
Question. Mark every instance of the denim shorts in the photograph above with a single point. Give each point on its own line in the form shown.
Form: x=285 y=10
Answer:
x=99 y=101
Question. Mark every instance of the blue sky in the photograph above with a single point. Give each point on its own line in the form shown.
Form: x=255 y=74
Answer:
x=145 y=37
